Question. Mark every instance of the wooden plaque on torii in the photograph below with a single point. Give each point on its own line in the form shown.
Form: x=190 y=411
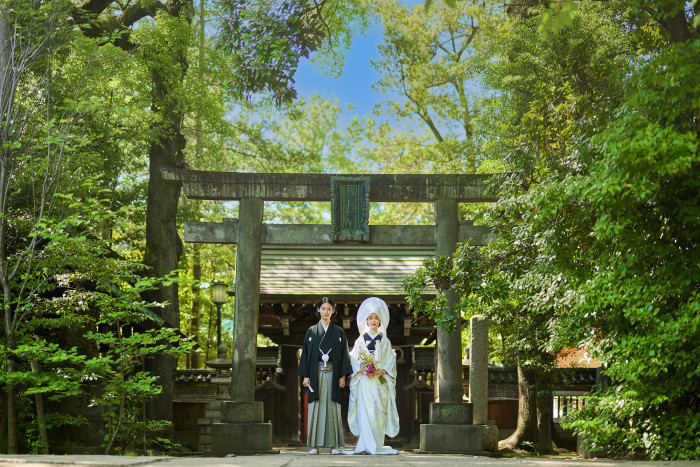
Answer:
x=350 y=208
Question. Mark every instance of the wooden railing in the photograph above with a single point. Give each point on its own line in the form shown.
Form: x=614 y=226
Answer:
x=566 y=402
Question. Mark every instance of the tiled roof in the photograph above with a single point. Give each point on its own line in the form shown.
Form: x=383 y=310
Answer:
x=342 y=270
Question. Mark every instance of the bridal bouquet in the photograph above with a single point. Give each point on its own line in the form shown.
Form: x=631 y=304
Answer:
x=368 y=365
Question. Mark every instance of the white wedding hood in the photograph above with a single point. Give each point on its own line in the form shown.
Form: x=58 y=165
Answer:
x=369 y=306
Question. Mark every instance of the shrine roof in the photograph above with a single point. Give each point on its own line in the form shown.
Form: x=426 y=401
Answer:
x=353 y=272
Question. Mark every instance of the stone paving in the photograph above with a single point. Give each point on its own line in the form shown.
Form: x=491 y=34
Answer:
x=297 y=458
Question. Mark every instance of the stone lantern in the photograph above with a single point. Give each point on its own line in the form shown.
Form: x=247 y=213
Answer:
x=218 y=296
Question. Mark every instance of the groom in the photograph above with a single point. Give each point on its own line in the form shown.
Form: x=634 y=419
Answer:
x=324 y=364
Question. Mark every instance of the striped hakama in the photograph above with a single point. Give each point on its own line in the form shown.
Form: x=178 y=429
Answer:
x=324 y=425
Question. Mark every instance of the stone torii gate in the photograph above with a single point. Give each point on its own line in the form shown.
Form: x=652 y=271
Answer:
x=453 y=427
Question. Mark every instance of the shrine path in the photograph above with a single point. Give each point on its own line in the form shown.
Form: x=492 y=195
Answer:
x=296 y=458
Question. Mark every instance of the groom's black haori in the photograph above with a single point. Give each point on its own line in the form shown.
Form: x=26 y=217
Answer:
x=311 y=357
x=324 y=364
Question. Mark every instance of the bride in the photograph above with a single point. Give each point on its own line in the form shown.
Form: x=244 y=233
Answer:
x=372 y=411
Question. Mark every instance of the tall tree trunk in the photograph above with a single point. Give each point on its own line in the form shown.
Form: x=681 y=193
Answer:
x=3 y=416
x=195 y=359
x=527 y=429
x=544 y=419
x=7 y=91
x=12 y=443
x=41 y=420
x=12 y=446
x=163 y=244
x=209 y=335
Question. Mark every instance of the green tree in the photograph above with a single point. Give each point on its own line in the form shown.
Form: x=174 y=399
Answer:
x=267 y=40
x=552 y=82
x=430 y=65
x=559 y=75
x=41 y=108
x=583 y=98
x=83 y=305
x=431 y=59
x=642 y=190
x=162 y=43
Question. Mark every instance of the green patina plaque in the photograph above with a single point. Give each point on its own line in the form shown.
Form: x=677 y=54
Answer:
x=350 y=208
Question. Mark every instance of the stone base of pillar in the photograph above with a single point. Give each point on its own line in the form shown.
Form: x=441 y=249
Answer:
x=241 y=430
x=456 y=439
x=450 y=439
x=450 y=413
x=451 y=431
x=242 y=411
x=241 y=439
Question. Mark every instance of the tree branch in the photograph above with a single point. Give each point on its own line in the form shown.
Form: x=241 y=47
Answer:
x=420 y=110
x=136 y=12
x=94 y=7
x=96 y=21
x=676 y=25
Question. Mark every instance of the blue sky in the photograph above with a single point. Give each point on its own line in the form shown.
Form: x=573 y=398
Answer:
x=354 y=86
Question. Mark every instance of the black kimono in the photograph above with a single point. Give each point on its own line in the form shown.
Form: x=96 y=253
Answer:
x=338 y=356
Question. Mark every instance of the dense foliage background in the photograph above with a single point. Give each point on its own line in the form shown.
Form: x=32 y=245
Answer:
x=596 y=116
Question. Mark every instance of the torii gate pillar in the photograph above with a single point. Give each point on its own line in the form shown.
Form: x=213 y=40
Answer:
x=245 y=324
x=449 y=343
x=242 y=429
x=451 y=428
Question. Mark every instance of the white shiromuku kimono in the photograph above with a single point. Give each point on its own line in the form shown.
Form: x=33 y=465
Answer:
x=372 y=411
